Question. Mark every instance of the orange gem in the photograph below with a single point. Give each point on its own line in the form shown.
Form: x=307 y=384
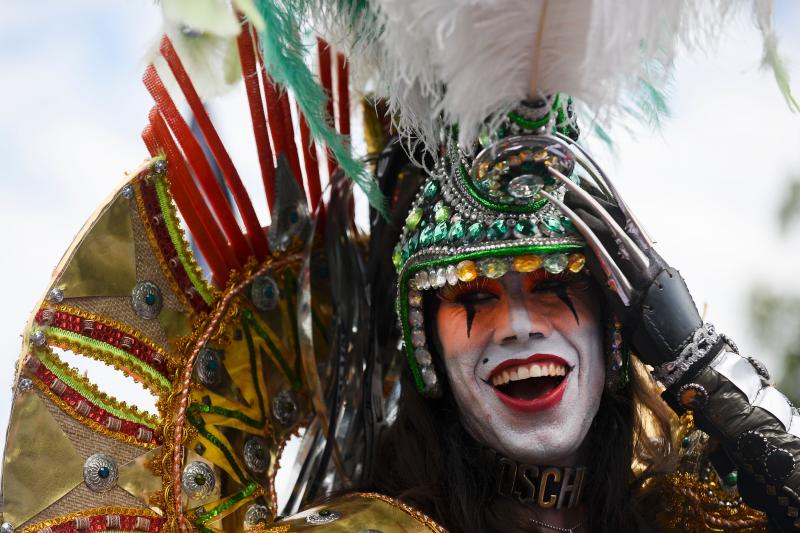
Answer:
x=466 y=270
x=526 y=263
x=576 y=262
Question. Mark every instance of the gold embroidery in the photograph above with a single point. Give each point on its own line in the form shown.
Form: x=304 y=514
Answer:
x=419 y=516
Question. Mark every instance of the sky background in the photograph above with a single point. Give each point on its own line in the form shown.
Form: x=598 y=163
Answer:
x=707 y=185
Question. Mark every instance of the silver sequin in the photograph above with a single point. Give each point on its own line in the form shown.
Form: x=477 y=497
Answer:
x=284 y=407
x=256 y=514
x=256 y=454
x=198 y=479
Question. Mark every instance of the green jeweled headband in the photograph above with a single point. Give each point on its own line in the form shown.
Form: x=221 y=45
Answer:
x=486 y=216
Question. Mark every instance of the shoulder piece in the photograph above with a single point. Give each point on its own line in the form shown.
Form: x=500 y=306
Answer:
x=701 y=494
x=360 y=511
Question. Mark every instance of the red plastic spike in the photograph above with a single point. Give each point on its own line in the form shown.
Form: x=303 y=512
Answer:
x=291 y=145
x=326 y=78
x=208 y=240
x=255 y=234
x=343 y=93
x=265 y=154
x=199 y=164
x=311 y=163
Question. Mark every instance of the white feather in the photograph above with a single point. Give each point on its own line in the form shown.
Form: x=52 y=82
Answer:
x=466 y=62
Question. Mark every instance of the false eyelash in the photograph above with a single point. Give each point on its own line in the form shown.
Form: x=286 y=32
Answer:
x=451 y=293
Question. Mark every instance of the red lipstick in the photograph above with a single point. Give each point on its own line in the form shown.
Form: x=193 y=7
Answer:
x=540 y=403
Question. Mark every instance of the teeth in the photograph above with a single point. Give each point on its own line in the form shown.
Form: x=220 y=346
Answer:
x=532 y=370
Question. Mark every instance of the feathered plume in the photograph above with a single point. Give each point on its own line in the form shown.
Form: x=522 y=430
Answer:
x=469 y=61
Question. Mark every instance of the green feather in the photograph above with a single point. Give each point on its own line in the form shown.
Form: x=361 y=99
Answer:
x=284 y=54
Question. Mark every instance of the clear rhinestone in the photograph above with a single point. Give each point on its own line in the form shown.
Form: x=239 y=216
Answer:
x=423 y=356
x=56 y=295
x=429 y=376
x=6 y=527
x=160 y=166
x=418 y=338
x=441 y=277
x=414 y=298
x=555 y=263
x=127 y=192
x=415 y=318
x=421 y=280
x=432 y=278
x=24 y=385
x=525 y=187
x=38 y=338
x=452 y=276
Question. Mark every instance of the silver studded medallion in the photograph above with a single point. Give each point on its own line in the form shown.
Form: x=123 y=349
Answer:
x=208 y=367
x=256 y=454
x=264 y=292
x=256 y=514
x=198 y=479
x=284 y=407
x=147 y=300
x=323 y=516
x=100 y=472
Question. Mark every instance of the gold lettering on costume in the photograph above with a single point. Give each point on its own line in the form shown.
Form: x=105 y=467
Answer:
x=526 y=483
x=572 y=485
x=549 y=473
x=507 y=476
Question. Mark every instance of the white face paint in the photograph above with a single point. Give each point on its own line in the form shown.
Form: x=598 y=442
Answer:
x=495 y=333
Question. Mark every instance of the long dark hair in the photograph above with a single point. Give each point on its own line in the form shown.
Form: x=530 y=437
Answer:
x=427 y=459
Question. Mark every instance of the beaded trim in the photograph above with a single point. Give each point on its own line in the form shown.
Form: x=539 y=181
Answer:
x=419 y=516
x=87 y=412
x=159 y=217
x=110 y=332
x=118 y=519
x=702 y=342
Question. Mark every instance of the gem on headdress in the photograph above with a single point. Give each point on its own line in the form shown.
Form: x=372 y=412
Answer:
x=576 y=262
x=413 y=243
x=429 y=376
x=493 y=267
x=525 y=187
x=441 y=277
x=426 y=236
x=256 y=454
x=323 y=516
x=466 y=270
x=524 y=228
x=160 y=166
x=555 y=263
x=423 y=356
x=264 y=292
x=127 y=192
x=430 y=190
x=474 y=232
x=284 y=407
x=413 y=218
x=433 y=279
x=147 y=300
x=441 y=213
x=55 y=295
x=415 y=317
x=6 y=527
x=256 y=514
x=497 y=230
x=418 y=338
x=457 y=231
x=100 y=472
x=397 y=257
x=553 y=226
x=526 y=263
x=38 y=338
x=208 y=367
x=414 y=298
x=421 y=281
x=24 y=385
x=198 y=479
x=440 y=232
x=568 y=225
x=451 y=274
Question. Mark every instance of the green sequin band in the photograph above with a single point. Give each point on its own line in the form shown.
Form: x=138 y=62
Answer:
x=227 y=504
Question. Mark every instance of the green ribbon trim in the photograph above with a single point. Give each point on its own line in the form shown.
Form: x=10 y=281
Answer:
x=503 y=208
x=230 y=413
x=73 y=381
x=249 y=321
x=165 y=202
x=224 y=506
x=62 y=336
x=200 y=425
x=523 y=122
x=510 y=251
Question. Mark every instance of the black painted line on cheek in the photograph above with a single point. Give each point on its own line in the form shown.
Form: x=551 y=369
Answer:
x=563 y=295
x=470 y=316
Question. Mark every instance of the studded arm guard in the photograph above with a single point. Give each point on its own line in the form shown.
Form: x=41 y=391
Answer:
x=759 y=429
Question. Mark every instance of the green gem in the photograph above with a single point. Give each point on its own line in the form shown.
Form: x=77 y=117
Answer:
x=524 y=228
x=440 y=232
x=497 y=230
x=442 y=213
x=731 y=479
x=413 y=218
x=493 y=268
x=474 y=232
x=413 y=243
x=457 y=232
x=430 y=190
x=685 y=442
x=568 y=225
x=553 y=224
x=555 y=263
x=426 y=236
x=405 y=254
x=397 y=257
x=150 y=299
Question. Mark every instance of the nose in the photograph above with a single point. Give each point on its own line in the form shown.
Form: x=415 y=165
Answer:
x=520 y=322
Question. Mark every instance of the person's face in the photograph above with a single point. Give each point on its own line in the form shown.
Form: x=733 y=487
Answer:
x=524 y=357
